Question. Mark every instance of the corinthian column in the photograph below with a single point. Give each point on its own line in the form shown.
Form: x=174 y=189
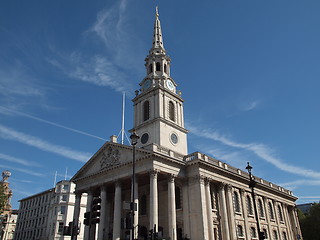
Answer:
x=209 y=209
x=117 y=212
x=223 y=212
x=102 y=224
x=154 y=200
x=231 y=213
x=172 y=219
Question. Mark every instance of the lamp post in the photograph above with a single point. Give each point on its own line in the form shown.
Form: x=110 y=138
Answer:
x=134 y=140
x=252 y=184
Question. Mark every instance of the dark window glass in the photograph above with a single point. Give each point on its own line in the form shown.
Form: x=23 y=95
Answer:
x=260 y=207
x=157 y=66
x=249 y=205
x=171 y=111
x=150 y=68
x=146 y=110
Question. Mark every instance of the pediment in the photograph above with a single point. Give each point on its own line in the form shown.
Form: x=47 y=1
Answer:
x=109 y=156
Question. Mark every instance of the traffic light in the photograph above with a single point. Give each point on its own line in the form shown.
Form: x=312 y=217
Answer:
x=95 y=211
x=261 y=236
x=87 y=218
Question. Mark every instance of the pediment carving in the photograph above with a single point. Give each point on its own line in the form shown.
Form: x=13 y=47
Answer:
x=111 y=157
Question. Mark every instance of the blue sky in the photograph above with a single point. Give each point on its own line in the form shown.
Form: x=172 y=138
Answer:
x=248 y=71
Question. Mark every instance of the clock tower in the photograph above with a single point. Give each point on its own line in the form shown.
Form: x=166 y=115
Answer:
x=158 y=106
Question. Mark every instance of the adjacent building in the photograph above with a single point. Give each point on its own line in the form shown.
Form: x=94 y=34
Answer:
x=178 y=195
x=43 y=215
x=8 y=217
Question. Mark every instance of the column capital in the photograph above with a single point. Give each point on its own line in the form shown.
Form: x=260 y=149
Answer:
x=154 y=173
x=172 y=177
x=229 y=187
x=242 y=191
x=117 y=183
x=221 y=185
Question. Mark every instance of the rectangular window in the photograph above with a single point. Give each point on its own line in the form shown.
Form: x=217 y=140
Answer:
x=60 y=228
x=64 y=198
x=65 y=187
x=63 y=209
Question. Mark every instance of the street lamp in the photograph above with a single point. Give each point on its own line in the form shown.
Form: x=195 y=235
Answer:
x=252 y=185
x=134 y=140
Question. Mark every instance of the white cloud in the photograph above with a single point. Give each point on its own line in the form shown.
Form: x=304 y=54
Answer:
x=250 y=106
x=261 y=150
x=23 y=170
x=301 y=182
x=11 y=111
x=18 y=160
x=11 y=134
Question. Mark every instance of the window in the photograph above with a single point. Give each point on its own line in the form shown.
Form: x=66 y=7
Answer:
x=253 y=232
x=236 y=202
x=249 y=205
x=64 y=198
x=65 y=187
x=275 y=235
x=265 y=233
x=284 y=236
x=143 y=205
x=63 y=209
x=260 y=207
x=271 y=211
x=178 y=197
x=165 y=68
x=158 y=66
x=150 y=68
x=171 y=111
x=240 y=231
x=146 y=110
x=280 y=213
x=60 y=228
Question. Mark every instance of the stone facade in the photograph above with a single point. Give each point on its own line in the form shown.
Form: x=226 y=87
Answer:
x=43 y=216
x=179 y=195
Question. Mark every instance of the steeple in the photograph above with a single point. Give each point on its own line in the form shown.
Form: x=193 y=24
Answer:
x=157 y=43
x=158 y=106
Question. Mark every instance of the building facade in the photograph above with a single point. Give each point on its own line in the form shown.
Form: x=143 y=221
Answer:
x=178 y=195
x=44 y=215
x=8 y=217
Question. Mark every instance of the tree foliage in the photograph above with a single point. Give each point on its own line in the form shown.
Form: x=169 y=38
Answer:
x=310 y=223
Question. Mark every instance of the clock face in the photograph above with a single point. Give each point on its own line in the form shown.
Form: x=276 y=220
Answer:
x=144 y=138
x=147 y=84
x=174 y=138
x=170 y=85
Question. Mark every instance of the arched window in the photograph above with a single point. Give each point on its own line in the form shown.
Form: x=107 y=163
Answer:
x=178 y=197
x=280 y=213
x=265 y=233
x=150 y=68
x=271 y=211
x=240 y=231
x=143 y=205
x=165 y=68
x=171 y=111
x=146 y=110
x=253 y=232
x=284 y=236
x=249 y=205
x=260 y=207
x=158 y=66
x=275 y=235
x=236 y=201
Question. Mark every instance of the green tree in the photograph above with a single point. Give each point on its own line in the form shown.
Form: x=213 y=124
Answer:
x=310 y=223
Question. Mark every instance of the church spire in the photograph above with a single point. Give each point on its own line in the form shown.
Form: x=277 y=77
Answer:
x=157 y=34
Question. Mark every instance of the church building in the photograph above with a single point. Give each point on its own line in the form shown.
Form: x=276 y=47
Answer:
x=178 y=195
